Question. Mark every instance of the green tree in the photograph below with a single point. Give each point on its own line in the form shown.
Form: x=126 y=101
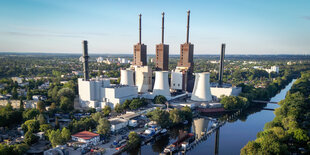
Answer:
x=55 y=137
x=41 y=119
x=29 y=94
x=135 y=104
x=134 y=139
x=65 y=134
x=160 y=116
x=14 y=93
x=301 y=135
x=175 y=116
x=66 y=92
x=45 y=127
x=118 y=108
x=66 y=104
x=106 y=110
x=104 y=126
x=96 y=116
x=41 y=106
x=30 y=114
x=126 y=104
x=159 y=99
x=187 y=113
x=31 y=126
x=30 y=138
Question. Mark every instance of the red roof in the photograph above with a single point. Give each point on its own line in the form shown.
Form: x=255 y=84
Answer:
x=85 y=135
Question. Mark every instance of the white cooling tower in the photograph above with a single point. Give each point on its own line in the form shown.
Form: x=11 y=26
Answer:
x=127 y=77
x=201 y=91
x=161 y=86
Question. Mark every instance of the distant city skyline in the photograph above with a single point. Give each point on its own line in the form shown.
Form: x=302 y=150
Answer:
x=247 y=27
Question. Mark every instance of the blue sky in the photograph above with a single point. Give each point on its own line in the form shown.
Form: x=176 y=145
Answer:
x=246 y=26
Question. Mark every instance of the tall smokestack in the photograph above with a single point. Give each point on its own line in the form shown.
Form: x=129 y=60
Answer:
x=85 y=63
x=140 y=28
x=221 y=65
x=187 y=35
x=162 y=28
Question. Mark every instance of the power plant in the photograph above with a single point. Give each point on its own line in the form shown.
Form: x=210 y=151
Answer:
x=202 y=90
x=137 y=80
x=161 y=86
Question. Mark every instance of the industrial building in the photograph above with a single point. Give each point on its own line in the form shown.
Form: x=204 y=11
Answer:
x=86 y=137
x=143 y=78
x=162 y=52
x=139 y=53
x=98 y=92
x=186 y=64
x=220 y=88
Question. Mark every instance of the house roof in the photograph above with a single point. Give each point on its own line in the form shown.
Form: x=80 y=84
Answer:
x=85 y=135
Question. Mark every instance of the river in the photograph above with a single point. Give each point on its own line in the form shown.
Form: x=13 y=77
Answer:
x=232 y=136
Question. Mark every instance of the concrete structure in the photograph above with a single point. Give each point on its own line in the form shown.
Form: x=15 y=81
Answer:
x=226 y=91
x=17 y=79
x=202 y=90
x=97 y=93
x=161 y=86
x=143 y=78
x=28 y=104
x=162 y=52
x=85 y=60
x=127 y=77
x=186 y=63
x=117 y=124
x=139 y=53
x=273 y=69
x=221 y=69
x=89 y=138
x=177 y=80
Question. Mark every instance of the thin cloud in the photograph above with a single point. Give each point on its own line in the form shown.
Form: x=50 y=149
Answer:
x=62 y=35
x=42 y=34
x=306 y=17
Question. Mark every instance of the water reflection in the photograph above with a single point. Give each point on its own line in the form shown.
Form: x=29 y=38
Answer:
x=200 y=127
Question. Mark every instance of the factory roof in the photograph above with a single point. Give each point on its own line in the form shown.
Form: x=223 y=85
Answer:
x=115 y=121
x=85 y=135
x=128 y=115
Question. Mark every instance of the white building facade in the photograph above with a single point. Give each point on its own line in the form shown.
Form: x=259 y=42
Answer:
x=97 y=93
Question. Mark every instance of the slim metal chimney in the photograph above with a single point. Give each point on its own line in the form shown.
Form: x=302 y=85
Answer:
x=221 y=65
x=187 y=35
x=140 y=28
x=85 y=62
x=162 y=28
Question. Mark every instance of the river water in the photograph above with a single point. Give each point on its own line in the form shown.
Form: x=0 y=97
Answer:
x=232 y=136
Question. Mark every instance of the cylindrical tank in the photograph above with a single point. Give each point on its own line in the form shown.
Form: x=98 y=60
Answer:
x=201 y=91
x=161 y=86
x=127 y=77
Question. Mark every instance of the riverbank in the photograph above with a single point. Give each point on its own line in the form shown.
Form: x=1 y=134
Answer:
x=232 y=136
x=288 y=132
